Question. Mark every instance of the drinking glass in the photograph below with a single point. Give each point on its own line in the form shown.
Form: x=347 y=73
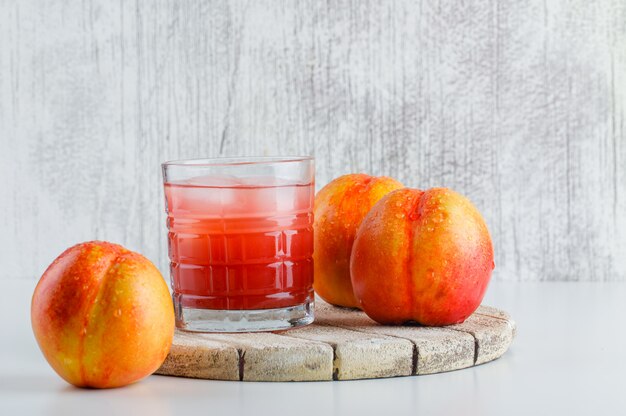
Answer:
x=240 y=242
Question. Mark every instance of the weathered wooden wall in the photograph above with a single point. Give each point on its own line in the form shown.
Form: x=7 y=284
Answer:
x=519 y=105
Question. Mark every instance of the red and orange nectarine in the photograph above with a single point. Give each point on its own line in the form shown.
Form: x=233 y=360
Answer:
x=421 y=256
x=339 y=209
x=102 y=315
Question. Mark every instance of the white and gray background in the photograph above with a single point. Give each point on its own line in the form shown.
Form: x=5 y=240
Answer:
x=520 y=105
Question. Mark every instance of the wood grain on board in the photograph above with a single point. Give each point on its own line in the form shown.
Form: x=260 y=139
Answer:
x=518 y=105
x=342 y=344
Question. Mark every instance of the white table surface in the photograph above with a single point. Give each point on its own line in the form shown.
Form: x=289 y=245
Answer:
x=569 y=357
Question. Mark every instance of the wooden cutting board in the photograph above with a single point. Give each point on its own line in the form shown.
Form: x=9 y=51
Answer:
x=342 y=344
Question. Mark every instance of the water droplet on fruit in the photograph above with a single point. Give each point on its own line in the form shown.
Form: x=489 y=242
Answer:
x=399 y=203
x=400 y=215
x=430 y=229
x=118 y=313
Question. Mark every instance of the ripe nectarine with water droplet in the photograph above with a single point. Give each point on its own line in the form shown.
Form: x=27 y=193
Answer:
x=422 y=256
x=102 y=316
x=339 y=209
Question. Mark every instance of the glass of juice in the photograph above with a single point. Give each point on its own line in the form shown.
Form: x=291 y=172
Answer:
x=241 y=242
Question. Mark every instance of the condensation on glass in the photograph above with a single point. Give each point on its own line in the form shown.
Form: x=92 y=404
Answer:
x=241 y=242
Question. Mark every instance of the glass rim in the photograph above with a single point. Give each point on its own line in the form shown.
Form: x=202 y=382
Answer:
x=237 y=161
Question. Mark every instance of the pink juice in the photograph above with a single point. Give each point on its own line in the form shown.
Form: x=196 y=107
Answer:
x=240 y=244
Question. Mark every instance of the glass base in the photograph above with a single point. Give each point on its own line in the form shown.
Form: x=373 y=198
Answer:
x=211 y=320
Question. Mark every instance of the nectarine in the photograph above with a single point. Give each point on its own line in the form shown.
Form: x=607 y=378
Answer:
x=102 y=315
x=421 y=256
x=339 y=209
